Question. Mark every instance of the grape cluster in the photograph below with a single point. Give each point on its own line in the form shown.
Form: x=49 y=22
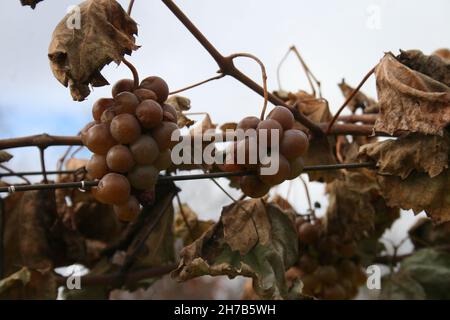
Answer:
x=293 y=144
x=130 y=138
x=329 y=269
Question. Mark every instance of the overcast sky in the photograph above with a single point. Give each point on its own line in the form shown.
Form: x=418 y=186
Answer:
x=336 y=38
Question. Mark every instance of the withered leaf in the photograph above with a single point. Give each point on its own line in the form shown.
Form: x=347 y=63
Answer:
x=228 y=126
x=29 y=284
x=31 y=3
x=432 y=66
x=77 y=55
x=410 y=100
x=443 y=53
x=181 y=104
x=5 y=156
x=424 y=275
x=419 y=152
x=424 y=233
x=196 y=227
x=266 y=234
x=203 y=126
x=419 y=192
x=359 y=100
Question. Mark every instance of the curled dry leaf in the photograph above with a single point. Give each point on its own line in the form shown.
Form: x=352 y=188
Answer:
x=359 y=100
x=351 y=211
x=31 y=3
x=443 y=53
x=414 y=152
x=419 y=192
x=28 y=284
x=321 y=150
x=196 y=227
x=432 y=66
x=181 y=104
x=251 y=239
x=423 y=275
x=410 y=100
x=5 y=156
x=77 y=55
x=203 y=126
x=228 y=126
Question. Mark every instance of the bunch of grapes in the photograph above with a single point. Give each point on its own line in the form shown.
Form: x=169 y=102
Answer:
x=130 y=138
x=293 y=144
x=328 y=269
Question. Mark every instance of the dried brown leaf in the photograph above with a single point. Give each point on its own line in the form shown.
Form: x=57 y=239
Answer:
x=31 y=3
x=414 y=152
x=419 y=192
x=410 y=100
x=203 y=126
x=432 y=66
x=359 y=100
x=196 y=227
x=76 y=56
x=443 y=53
x=5 y=156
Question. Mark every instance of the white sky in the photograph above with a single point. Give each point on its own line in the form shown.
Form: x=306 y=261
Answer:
x=336 y=38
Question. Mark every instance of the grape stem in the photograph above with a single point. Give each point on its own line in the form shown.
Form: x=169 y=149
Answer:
x=133 y=71
x=309 y=75
x=263 y=74
x=227 y=67
x=349 y=98
x=220 y=76
x=130 y=7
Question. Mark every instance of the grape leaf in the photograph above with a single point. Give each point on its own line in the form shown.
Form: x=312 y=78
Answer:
x=443 y=53
x=196 y=227
x=413 y=152
x=76 y=56
x=359 y=100
x=419 y=192
x=181 y=104
x=354 y=205
x=428 y=275
x=410 y=100
x=251 y=239
x=5 y=156
x=31 y=3
x=29 y=284
x=432 y=66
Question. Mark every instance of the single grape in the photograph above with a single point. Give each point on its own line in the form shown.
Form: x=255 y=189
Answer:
x=100 y=106
x=265 y=129
x=164 y=160
x=307 y=263
x=294 y=144
x=144 y=94
x=170 y=113
x=282 y=174
x=149 y=113
x=143 y=177
x=248 y=123
x=119 y=159
x=157 y=85
x=296 y=166
x=113 y=188
x=145 y=150
x=108 y=115
x=129 y=210
x=84 y=131
x=327 y=274
x=311 y=284
x=163 y=133
x=125 y=102
x=347 y=250
x=99 y=139
x=283 y=116
x=96 y=166
x=334 y=292
x=125 y=128
x=122 y=85
x=253 y=187
x=308 y=233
